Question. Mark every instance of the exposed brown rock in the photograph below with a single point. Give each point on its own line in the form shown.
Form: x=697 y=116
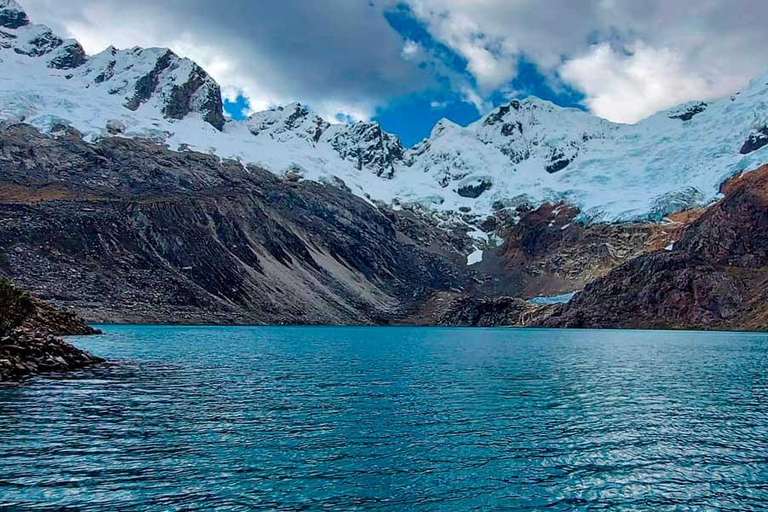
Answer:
x=555 y=253
x=457 y=309
x=716 y=277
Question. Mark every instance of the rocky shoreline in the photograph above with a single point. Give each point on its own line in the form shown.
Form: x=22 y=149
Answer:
x=29 y=342
x=25 y=353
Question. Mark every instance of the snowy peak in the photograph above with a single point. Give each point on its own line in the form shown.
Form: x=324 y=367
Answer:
x=534 y=128
x=529 y=133
x=525 y=152
x=12 y=15
x=365 y=145
x=23 y=38
x=286 y=122
x=152 y=78
x=160 y=78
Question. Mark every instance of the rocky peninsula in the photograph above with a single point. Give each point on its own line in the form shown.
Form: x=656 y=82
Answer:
x=29 y=342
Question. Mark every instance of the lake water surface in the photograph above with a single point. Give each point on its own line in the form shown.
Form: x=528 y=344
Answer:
x=398 y=419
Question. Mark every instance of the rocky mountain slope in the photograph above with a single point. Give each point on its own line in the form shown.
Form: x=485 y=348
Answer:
x=551 y=252
x=125 y=230
x=527 y=152
x=715 y=277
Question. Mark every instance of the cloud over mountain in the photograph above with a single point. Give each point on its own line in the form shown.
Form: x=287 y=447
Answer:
x=629 y=58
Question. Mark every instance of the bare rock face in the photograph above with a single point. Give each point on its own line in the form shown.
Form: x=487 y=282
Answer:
x=368 y=146
x=196 y=93
x=70 y=55
x=459 y=309
x=688 y=112
x=713 y=278
x=475 y=189
x=554 y=252
x=756 y=140
x=12 y=15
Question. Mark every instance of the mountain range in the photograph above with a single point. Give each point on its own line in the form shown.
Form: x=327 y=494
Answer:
x=528 y=150
x=128 y=195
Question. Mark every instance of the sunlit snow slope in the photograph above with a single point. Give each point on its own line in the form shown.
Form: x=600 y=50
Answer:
x=525 y=152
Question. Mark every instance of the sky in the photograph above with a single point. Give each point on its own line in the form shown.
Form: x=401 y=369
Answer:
x=409 y=63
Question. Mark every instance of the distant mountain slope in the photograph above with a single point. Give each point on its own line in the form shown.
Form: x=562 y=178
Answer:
x=715 y=277
x=526 y=152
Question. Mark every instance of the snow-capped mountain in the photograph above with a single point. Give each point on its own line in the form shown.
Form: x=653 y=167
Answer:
x=531 y=151
x=364 y=145
x=526 y=152
x=44 y=76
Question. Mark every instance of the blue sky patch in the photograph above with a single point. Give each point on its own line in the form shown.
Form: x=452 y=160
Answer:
x=413 y=117
x=238 y=109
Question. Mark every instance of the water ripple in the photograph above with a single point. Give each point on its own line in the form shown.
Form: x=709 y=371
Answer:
x=288 y=419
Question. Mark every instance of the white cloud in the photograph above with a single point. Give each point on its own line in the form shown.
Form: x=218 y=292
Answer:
x=471 y=96
x=344 y=59
x=654 y=52
x=628 y=56
x=629 y=87
x=456 y=24
x=412 y=50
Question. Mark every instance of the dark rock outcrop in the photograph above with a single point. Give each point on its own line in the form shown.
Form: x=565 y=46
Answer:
x=71 y=55
x=716 y=276
x=558 y=161
x=368 y=146
x=11 y=15
x=42 y=44
x=690 y=112
x=452 y=309
x=28 y=344
x=179 y=105
x=475 y=190
x=756 y=140
x=24 y=353
x=146 y=85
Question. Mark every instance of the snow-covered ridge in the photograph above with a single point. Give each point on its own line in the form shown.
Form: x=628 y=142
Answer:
x=526 y=152
x=39 y=66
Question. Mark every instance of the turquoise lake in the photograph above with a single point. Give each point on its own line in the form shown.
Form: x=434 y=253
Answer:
x=396 y=419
